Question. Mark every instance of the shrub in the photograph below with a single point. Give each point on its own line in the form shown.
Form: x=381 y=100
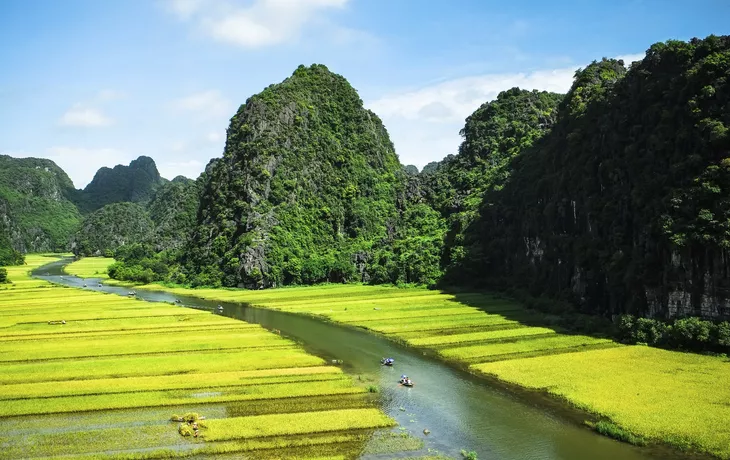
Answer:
x=691 y=333
x=721 y=335
x=3 y=275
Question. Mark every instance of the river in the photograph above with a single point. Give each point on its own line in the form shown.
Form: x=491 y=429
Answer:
x=460 y=410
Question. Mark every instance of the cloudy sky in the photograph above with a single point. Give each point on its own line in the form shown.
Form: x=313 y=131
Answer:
x=92 y=83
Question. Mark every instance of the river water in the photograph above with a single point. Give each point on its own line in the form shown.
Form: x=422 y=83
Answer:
x=460 y=410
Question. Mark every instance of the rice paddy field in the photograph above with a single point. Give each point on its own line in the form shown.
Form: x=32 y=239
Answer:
x=91 y=375
x=90 y=267
x=661 y=396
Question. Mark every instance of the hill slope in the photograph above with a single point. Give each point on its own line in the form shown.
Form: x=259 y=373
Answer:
x=134 y=183
x=35 y=211
x=307 y=184
x=623 y=206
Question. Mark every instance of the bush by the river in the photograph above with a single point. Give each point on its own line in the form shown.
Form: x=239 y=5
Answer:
x=692 y=334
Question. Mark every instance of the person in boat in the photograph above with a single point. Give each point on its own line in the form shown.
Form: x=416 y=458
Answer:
x=403 y=378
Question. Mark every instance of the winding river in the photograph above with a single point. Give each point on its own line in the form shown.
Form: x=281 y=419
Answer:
x=460 y=410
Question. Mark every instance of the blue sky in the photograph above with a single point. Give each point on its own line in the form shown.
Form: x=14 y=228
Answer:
x=91 y=83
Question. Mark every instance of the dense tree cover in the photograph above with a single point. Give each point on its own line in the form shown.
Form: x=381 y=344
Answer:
x=111 y=227
x=142 y=263
x=135 y=183
x=692 y=333
x=35 y=211
x=8 y=255
x=494 y=134
x=173 y=209
x=623 y=206
x=156 y=257
x=307 y=191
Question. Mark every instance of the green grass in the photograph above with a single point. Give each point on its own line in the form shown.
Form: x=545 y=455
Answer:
x=105 y=383
x=167 y=382
x=495 y=335
x=130 y=399
x=553 y=343
x=90 y=267
x=657 y=395
x=294 y=424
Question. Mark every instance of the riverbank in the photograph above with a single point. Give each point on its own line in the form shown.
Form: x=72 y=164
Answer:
x=660 y=396
x=88 y=374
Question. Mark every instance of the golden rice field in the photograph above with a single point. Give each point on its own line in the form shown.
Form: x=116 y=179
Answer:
x=663 y=396
x=92 y=375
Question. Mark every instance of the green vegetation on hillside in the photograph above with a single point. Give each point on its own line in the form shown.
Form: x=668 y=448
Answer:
x=173 y=209
x=8 y=255
x=134 y=183
x=307 y=191
x=35 y=212
x=111 y=227
x=493 y=135
x=611 y=198
x=622 y=206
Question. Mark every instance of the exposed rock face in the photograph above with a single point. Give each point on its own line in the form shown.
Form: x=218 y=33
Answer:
x=308 y=179
x=134 y=183
x=35 y=212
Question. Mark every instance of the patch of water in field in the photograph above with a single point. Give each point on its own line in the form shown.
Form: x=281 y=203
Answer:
x=459 y=410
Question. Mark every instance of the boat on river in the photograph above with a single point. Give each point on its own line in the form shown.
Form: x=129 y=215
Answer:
x=387 y=361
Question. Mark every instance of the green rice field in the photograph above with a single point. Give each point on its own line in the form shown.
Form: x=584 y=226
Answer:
x=662 y=396
x=92 y=375
x=90 y=267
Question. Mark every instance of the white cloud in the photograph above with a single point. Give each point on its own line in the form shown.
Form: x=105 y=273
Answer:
x=424 y=123
x=455 y=100
x=80 y=115
x=215 y=136
x=262 y=23
x=82 y=163
x=629 y=58
x=178 y=146
x=88 y=114
x=207 y=104
x=184 y=9
x=189 y=168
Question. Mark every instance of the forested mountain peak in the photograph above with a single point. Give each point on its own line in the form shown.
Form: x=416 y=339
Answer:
x=308 y=180
x=34 y=176
x=591 y=83
x=35 y=211
x=623 y=206
x=134 y=183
